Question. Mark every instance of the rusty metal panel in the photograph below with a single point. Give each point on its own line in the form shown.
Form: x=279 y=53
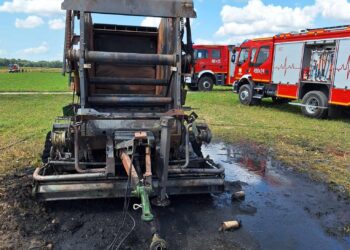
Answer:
x=125 y=39
x=162 y=72
x=156 y=8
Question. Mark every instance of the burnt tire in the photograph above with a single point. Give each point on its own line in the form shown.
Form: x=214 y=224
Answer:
x=47 y=148
x=205 y=83
x=245 y=95
x=313 y=100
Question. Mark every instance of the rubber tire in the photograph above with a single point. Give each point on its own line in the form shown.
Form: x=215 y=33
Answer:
x=47 y=148
x=202 y=81
x=249 y=101
x=322 y=100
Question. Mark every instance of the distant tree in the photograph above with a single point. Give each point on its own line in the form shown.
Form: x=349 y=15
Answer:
x=4 y=62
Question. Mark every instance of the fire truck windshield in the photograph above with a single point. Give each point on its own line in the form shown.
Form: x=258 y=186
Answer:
x=200 y=54
x=243 y=56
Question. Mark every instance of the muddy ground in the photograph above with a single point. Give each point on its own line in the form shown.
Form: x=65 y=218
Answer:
x=282 y=210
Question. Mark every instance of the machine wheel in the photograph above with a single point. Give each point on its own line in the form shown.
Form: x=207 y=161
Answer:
x=205 y=83
x=47 y=148
x=246 y=95
x=313 y=100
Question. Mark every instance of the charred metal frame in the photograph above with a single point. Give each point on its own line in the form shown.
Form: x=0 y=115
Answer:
x=163 y=123
x=122 y=131
x=155 y=8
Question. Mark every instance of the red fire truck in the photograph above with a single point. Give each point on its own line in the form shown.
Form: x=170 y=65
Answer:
x=312 y=66
x=14 y=68
x=213 y=66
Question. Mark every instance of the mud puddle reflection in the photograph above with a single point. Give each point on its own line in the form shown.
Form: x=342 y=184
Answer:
x=282 y=209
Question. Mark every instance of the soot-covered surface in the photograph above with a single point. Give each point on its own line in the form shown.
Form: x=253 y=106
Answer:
x=282 y=210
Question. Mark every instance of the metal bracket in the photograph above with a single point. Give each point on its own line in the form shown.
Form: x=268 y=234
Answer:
x=164 y=158
x=110 y=158
x=128 y=139
x=127 y=145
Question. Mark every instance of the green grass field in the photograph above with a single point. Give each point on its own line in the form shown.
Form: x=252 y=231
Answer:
x=33 y=81
x=24 y=122
x=318 y=147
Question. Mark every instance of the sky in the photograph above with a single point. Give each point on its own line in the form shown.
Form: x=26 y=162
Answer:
x=34 y=29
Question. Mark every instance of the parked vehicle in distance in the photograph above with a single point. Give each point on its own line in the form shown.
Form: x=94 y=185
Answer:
x=14 y=68
x=214 y=65
x=312 y=66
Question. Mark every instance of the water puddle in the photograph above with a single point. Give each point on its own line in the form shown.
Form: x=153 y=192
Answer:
x=282 y=210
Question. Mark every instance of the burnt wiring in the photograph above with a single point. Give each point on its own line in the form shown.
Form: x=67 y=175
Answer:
x=17 y=142
x=125 y=212
x=127 y=235
x=27 y=138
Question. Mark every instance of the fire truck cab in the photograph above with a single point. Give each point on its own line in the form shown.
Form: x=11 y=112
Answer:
x=311 y=66
x=214 y=65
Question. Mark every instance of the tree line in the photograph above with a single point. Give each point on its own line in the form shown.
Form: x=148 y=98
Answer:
x=4 y=62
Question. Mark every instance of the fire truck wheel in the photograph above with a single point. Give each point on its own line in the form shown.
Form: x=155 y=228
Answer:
x=316 y=105
x=246 y=95
x=205 y=83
